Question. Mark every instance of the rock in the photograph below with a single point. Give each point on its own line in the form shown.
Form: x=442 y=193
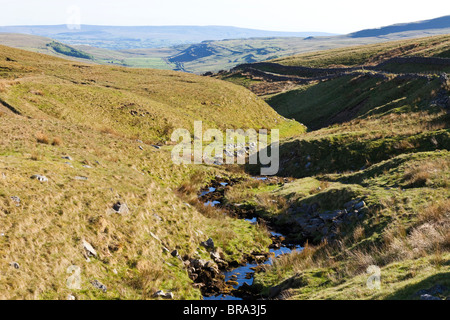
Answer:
x=328 y=216
x=349 y=205
x=97 y=284
x=156 y=147
x=360 y=205
x=15 y=265
x=157 y=217
x=81 y=178
x=428 y=297
x=154 y=236
x=71 y=297
x=174 y=253
x=140 y=147
x=16 y=200
x=89 y=249
x=87 y=166
x=198 y=263
x=162 y=294
x=121 y=208
x=39 y=178
x=208 y=244
x=67 y=158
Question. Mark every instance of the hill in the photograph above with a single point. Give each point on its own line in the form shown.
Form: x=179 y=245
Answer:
x=86 y=196
x=208 y=49
x=432 y=24
x=132 y=102
x=136 y=37
x=371 y=189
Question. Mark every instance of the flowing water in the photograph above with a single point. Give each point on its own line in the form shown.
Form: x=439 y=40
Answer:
x=244 y=274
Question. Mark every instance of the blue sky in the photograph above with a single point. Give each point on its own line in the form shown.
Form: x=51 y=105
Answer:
x=336 y=16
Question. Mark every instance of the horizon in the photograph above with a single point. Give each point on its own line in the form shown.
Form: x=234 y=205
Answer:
x=327 y=16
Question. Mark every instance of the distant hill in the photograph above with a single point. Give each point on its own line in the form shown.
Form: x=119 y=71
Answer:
x=199 y=49
x=118 y=37
x=438 y=23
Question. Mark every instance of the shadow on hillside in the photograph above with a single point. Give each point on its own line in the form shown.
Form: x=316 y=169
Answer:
x=413 y=291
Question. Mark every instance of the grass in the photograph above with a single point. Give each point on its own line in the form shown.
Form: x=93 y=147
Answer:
x=371 y=53
x=83 y=111
x=382 y=141
x=44 y=233
x=132 y=102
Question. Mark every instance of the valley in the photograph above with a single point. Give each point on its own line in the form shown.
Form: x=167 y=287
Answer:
x=87 y=181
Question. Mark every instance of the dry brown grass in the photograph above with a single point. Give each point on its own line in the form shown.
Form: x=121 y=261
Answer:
x=423 y=173
x=57 y=141
x=42 y=138
x=358 y=233
x=437 y=212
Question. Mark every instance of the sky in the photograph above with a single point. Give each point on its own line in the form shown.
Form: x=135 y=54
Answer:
x=334 y=16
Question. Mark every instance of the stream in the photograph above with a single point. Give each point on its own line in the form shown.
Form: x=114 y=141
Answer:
x=244 y=274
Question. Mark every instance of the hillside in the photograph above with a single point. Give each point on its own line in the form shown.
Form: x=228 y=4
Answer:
x=371 y=183
x=130 y=102
x=364 y=190
x=85 y=195
x=432 y=24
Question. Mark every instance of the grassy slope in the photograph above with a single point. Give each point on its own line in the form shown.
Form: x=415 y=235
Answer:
x=83 y=111
x=372 y=53
x=146 y=104
x=393 y=153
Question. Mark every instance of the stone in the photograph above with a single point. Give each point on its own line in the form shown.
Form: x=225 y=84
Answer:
x=81 y=178
x=208 y=244
x=157 y=217
x=97 y=284
x=360 y=205
x=71 y=297
x=349 y=205
x=140 y=147
x=156 y=147
x=89 y=248
x=15 y=265
x=198 y=263
x=162 y=294
x=16 y=200
x=154 y=236
x=121 y=208
x=67 y=158
x=328 y=216
x=39 y=178
x=87 y=166
x=174 y=253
